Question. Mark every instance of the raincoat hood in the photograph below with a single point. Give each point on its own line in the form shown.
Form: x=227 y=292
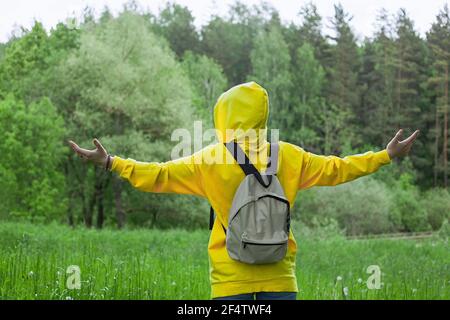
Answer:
x=241 y=108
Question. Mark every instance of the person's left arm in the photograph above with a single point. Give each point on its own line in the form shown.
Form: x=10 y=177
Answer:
x=318 y=170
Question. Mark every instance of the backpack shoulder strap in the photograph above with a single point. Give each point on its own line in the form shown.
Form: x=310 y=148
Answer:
x=272 y=167
x=245 y=164
x=212 y=217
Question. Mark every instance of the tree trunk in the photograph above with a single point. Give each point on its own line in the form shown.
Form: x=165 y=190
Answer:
x=436 y=146
x=71 y=196
x=102 y=186
x=100 y=210
x=90 y=209
x=445 y=142
x=120 y=213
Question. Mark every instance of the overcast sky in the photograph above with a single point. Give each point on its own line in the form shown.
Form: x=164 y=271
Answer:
x=23 y=12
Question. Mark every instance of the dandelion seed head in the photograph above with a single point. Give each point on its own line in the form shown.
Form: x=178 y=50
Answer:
x=339 y=278
x=360 y=280
x=345 y=291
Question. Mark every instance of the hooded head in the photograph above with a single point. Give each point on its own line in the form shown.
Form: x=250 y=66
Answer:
x=241 y=113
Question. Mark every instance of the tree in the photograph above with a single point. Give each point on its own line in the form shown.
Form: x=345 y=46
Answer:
x=176 y=24
x=342 y=74
x=410 y=98
x=307 y=85
x=271 y=68
x=31 y=149
x=23 y=59
x=230 y=41
x=377 y=83
x=439 y=43
x=126 y=89
x=207 y=83
x=309 y=31
x=2 y=51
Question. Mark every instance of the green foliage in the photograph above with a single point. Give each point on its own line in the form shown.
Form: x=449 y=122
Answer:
x=304 y=120
x=342 y=66
x=444 y=231
x=270 y=67
x=176 y=24
x=438 y=41
x=229 y=41
x=31 y=150
x=359 y=207
x=2 y=51
x=207 y=83
x=125 y=80
x=127 y=89
x=23 y=59
x=407 y=213
x=436 y=203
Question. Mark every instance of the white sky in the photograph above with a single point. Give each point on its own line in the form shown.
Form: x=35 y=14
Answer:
x=23 y=12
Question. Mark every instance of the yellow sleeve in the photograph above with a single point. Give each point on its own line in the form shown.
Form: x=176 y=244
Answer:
x=176 y=176
x=331 y=170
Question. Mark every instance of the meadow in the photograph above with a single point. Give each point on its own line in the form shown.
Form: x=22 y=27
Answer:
x=173 y=264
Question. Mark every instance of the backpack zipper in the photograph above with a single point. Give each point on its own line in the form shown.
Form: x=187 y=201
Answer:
x=246 y=242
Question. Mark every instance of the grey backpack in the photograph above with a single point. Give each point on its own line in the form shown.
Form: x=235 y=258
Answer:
x=259 y=218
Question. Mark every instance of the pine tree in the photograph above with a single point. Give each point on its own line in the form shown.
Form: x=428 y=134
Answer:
x=377 y=83
x=310 y=31
x=439 y=42
x=411 y=105
x=342 y=73
x=229 y=41
x=176 y=24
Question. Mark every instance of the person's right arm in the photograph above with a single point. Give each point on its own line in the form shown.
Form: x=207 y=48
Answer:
x=175 y=176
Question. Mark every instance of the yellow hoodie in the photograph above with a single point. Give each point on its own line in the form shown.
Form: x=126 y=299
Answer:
x=244 y=107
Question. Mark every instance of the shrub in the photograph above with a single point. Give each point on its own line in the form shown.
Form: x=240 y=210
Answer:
x=360 y=207
x=436 y=203
x=407 y=212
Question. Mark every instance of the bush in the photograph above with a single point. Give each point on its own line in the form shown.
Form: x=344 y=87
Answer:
x=436 y=203
x=319 y=228
x=444 y=231
x=360 y=207
x=407 y=211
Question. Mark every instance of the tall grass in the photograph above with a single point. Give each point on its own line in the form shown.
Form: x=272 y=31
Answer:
x=154 y=264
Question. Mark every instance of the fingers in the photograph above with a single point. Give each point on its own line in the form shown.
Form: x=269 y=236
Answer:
x=83 y=153
x=99 y=146
x=398 y=135
x=411 y=138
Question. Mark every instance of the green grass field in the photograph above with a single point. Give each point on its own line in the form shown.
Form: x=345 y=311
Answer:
x=154 y=264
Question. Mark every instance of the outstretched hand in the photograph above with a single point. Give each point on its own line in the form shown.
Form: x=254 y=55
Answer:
x=399 y=148
x=98 y=156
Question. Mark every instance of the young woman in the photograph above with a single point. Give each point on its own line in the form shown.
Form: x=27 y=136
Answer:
x=241 y=109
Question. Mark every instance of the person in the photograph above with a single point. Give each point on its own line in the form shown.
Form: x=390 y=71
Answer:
x=242 y=108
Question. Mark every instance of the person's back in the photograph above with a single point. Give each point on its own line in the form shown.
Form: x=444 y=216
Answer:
x=241 y=115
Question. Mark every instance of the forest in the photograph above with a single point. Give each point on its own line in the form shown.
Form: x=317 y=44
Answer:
x=130 y=79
